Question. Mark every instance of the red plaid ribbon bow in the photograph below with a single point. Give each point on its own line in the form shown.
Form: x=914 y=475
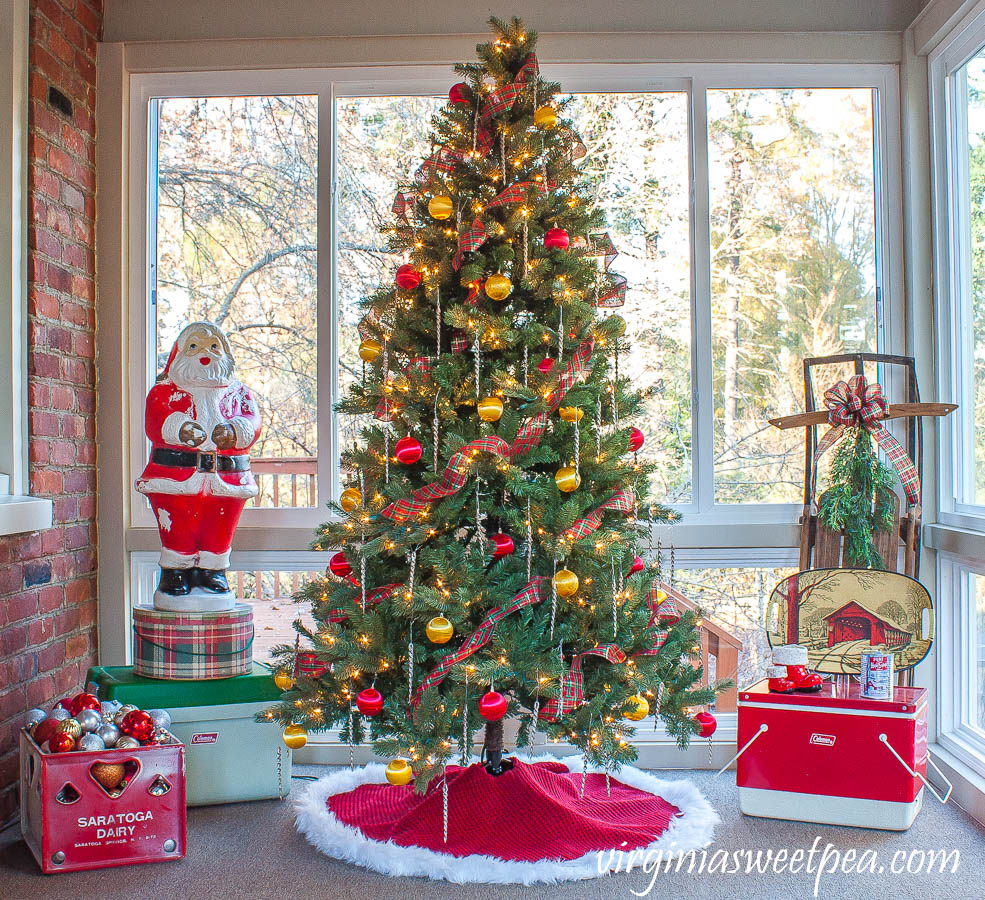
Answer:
x=502 y=100
x=621 y=502
x=612 y=287
x=471 y=239
x=857 y=404
x=515 y=193
x=663 y=611
x=573 y=682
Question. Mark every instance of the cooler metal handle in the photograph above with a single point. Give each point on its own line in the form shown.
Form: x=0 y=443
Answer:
x=762 y=728
x=927 y=784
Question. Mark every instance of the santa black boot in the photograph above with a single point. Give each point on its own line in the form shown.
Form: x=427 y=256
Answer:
x=175 y=582
x=794 y=657
x=213 y=580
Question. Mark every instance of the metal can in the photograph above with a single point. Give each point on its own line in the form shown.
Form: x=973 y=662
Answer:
x=876 y=678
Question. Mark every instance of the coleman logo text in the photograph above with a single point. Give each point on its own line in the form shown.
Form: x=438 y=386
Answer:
x=208 y=737
x=824 y=740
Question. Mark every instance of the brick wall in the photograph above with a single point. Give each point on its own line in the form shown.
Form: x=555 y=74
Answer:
x=48 y=579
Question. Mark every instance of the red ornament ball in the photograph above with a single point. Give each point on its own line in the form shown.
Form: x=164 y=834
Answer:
x=339 y=565
x=65 y=704
x=408 y=277
x=556 y=239
x=83 y=701
x=408 y=450
x=504 y=544
x=545 y=365
x=635 y=439
x=45 y=730
x=707 y=722
x=492 y=706
x=637 y=566
x=369 y=702
x=460 y=93
x=61 y=742
x=138 y=724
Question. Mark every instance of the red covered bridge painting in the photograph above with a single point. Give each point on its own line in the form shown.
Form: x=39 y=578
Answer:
x=853 y=622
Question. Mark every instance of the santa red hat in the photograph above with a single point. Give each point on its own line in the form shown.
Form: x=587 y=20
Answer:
x=179 y=342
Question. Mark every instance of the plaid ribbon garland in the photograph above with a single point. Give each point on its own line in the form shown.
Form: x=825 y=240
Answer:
x=620 y=502
x=459 y=341
x=532 y=593
x=404 y=199
x=572 y=693
x=374 y=596
x=613 y=294
x=501 y=100
x=663 y=611
x=444 y=159
x=515 y=193
x=858 y=404
x=471 y=239
x=386 y=410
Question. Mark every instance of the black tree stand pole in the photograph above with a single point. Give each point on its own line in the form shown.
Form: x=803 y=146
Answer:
x=492 y=749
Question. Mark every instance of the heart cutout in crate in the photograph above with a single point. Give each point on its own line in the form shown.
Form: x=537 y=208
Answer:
x=68 y=794
x=159 y=786
x=114 y=777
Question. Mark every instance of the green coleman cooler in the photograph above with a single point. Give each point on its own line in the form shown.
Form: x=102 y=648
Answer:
x=229 y=757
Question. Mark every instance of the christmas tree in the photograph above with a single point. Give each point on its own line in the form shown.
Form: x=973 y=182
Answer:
x=489 y=538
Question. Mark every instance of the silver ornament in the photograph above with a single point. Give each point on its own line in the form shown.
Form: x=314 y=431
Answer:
x=127 y=743
x=109 y=734
x=89 y=719
x=33 y=717
x=161 y=718
x=59 y=712
x=108 y=708
x=90 y=742
x=122 y=712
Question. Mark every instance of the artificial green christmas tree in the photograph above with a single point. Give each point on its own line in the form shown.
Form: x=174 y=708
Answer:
x=488 y=539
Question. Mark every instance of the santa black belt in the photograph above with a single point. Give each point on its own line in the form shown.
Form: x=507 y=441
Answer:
x=203 y=460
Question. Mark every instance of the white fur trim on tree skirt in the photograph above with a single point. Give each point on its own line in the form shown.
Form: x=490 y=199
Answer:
x=790 y=655
x=691 y=830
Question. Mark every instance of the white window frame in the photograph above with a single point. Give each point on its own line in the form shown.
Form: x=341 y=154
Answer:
x=18 y=511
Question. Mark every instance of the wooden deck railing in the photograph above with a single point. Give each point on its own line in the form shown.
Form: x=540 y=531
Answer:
x=281 y=477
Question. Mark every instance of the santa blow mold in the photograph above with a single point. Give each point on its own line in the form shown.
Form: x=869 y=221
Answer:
x=201 y=423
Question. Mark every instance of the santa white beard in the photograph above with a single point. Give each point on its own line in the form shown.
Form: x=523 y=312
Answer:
x=188 y=373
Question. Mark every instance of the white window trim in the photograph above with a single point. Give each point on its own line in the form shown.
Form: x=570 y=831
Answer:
x=19 y=512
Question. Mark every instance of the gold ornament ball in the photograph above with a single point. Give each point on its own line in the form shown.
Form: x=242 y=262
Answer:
x=638 y=708
x=567 y=479
x=490 y=409
x=440 y=206
x=498 y=287
x=72 y=727
x=566 y=582
x=620 y=324
x=399 y=772
x=370 y=350
x=295 y=736
x=283 y=680
x=350 y=499
x=545 y=117
x=439 y=630
x=571 y=413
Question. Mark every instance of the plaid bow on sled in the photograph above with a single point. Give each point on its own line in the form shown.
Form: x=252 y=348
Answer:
x=857 y=404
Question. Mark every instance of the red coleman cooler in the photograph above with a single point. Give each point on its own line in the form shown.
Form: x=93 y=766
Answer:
x=833 y=757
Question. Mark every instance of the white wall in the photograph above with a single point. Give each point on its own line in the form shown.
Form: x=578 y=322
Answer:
x=158 y=20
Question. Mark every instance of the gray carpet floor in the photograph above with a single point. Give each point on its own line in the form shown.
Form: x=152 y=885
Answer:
x=251 y=850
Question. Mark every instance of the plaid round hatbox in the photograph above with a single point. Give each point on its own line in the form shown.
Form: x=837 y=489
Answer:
x=187 y=646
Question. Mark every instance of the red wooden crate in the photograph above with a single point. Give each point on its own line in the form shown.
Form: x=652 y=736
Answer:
x=826 y=757
x=86 y=827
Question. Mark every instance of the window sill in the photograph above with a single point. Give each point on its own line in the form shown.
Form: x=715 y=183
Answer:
x=969 y=786
x=964 y=543
x=21 y=514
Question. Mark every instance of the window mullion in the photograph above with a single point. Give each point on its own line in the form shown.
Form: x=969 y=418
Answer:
x=327 y=371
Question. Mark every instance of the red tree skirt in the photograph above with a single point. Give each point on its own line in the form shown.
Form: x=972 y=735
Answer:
x=528 y=825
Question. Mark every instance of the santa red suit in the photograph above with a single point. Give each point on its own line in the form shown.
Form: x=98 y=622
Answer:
x=201 y=422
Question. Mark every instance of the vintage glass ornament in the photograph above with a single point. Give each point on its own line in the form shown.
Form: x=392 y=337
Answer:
x=567 y=479
x=407 y=277
x=65 y=704
x=439 y=630
x=369 y=702
x=91 y=742
x=127 y=742
x=108 y=708
x=398 y=771
x=490 y=409
x=110 y=734
x=565 y=582
x=440 y=207
x=138 y=724
x=161 y=718
x=545 y=117
x=370 y=350
x=45 y=729
x=636 y=439
x=108 y=775
x=61 y=742
x=70 y=726
x=571 y=413
x=408 y=450
x=503 y=544
x=283 y=680
x=83 y=701
x=122 y=712
x=492 y=706
x=620 y=325
x=498 y=287
x=637 y=566
x=545 y=365
x=460 y=93
x=295 y=736
x=556 y=239
x=350 y=498
x=60 y=713
x=339 y=565
x=707 y=722
x=89 y=719
x=637 y=708
x=33 y=717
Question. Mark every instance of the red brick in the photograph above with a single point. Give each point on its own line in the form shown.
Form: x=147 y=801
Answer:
x=61 y=162
x=51 y=597
x=58 y=278
x=72 y=197
x=44 y=423
x=21 y=606
x=77 y=646
x=46 y=482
